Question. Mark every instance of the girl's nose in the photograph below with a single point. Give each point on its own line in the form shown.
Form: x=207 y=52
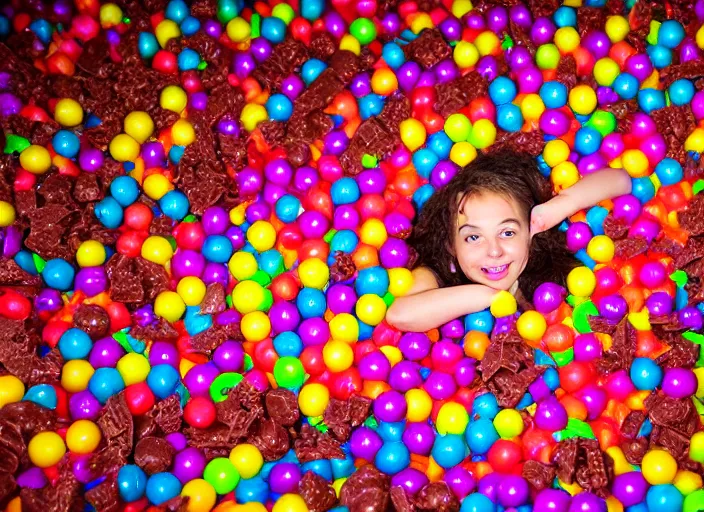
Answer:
x=495 y=249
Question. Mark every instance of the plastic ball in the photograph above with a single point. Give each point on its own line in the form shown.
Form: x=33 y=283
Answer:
x=279 y=107
x=449 y=450
x=581 y=282
x=91 y=253
x=504 y=304
x=46 y=449
x=288 y=503
x=313 y=399
x=169 y=305
x=58 y=274
x=289 y=372
x=659 y=467
x=531 y=325
x=82 y=437
x=392 y=458
x=201 y=495
x=11 y=390
x=508 y=423
x=35 y=159
x=338 y=356
x=68 y=112
x=582 y=100
x=502 y=90
x=645 y=373
x=413 y=133
x=75 y=344
x=173 y=98
x=162 y=487
x=452 y=419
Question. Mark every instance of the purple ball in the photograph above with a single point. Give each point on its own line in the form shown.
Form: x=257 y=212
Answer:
x=551 y=500
x=598 y=44
x=200 y=377
x=587 y=502
x=48 y=299
x=453 y=329
x=304 y=178
x=679 y=382
x=460 y=481
x=451 y=28
x=408 y=75
x=578 y=236
x=249 y=182
x=554 y=122
x=488 y=67
x=591 y=163
x=91 y=281
x=465 y=372
x=418 y=438
x=260 y=48
x=474 y=20
x=216 y=273
x=292 y=86
x=33 y=478
x=391 y=23
x=229 y=357
x=530 y=79
x=405 y=375
x=215 y=220
x=519 y=58
x=278 y=171
x=613 y=307
x=162 y=352
x=640 y=66
x=243 y=64
x=284 y=316
x=371 y=181
x=258 y=210
x=396 y=223
x=548 y=297
x=228 y=126
x=542 y=31
x=520 y=14
x=587 y=347
x=410 y=479
x=443 y=172
x=365 y=443
x=414 y=345
x=313 y=224
x=361 y=85
x=539 y=389
x=9 y=104
x=394 y=253
x=90 y=159
x=187 y=262
x=341 y=298
x=630 y=488
x=198 y=100
x=153 y=155
x=691 y=318
x=446 y=71
x=81 y=468
x=314 y=331
x=284 y=477
x=106 y=352
x=212 y=28
x=336 y=142
x=513 y=491
x=440 y=385
x=426 y=79
x=177 y=440
x=644 y=228
x=550 y=415
x=237 y=237
x=689 y=51
x=390 y=406
x=84 y=406
x=497 y=19
x=488 y=486
x=346 y=217
x=189 y=464
x=374 y=366
x=335 y=24
x=594 y=398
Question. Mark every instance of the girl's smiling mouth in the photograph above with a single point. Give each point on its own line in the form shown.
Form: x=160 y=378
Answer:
x=496 y=273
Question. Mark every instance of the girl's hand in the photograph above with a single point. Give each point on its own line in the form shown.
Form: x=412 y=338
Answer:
x=540 y=219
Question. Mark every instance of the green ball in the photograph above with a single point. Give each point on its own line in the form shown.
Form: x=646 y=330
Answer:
x=603 y=122
x=284 y=12
x=547 y=56
x=227 y=10
x=694 y=502
x=222 y=475
x=363 y=30
x=458 y=127
x=289 y=372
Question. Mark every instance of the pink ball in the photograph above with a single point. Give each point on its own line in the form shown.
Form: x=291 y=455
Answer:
x=313 y=224
x=652 y=274
x=608 y=281
x=529 y=80
x=329 y=168
x=587 y=347
x=654 y=148
x=591 y=163
x=445 y=354
x=698 y=105
x=374 y=366
x=639 y=65
x=643 y=125
x=548 y=297
x=619 y=385
x=644 y=228
x=612 y=145
x=314 y=331
x=346 y=216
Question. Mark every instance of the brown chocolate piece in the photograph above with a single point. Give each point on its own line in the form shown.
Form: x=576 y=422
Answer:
x=539 y=8
x=590 y=19
x=11 y=274
x=456 y=94
x=322 y=45
x=690 y=70
x=538 y=474
x=582 y=460
x=64 y=496
x=19 y=357
x=674 y=124
x=117 y=429
x=373 y=138
x=318 y=495
x=614 y=228
x=283 y=60
x=400 y=500
x=92 y=319
x=343 y=268
x=312 y=444
x=214 y=300
x=241 y=410
x=159 y=330
x=87 y=188
x=366 y=490
x=622 y=351
x=630 y=248
x=105 y=496
x=527 y=142
x=692 y=218
x=161 y=226
x=428 y=48
x=282 y=406
x=437 y=496
x=634 y=450
x=342 y=416
x=631 y=424
x=153 y=454
x=272 y=440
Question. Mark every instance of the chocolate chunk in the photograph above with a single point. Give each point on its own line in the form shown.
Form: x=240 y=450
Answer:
x=590 y=19
x=674 y=123
x=154 y=277
x=341 y=416
x=692 y=218
x=125 y=281
x=117 y=429
x=631 y=424
x=241 y=409
x=285 y=57
x=11 y=274
x=272 y=440
x=565 y=457
x=346 y=64
x=282 y=406
x=318 y=495
x=159 y=330
x=428 y=48
x=92 y=319
x=176 y=504
x=538 y=474
x=400 y=500
x=622 y=351
x=540 y=8
x=322 y=45
x=161 y=226
x=373 y=138
x=366 y=490
x=690 y=70
x=318 y=95
x=458 y=93
x=8 y=487
x=214 y=299
x=19 y=357
x=312 y=444
x=28 y=417
x=343 y=268
x=614 y=228
x=531 y=142
x=630 y=248
x=634 y=450
x=582 y=460
x=105 y=496
x=87 y=189
x=437 y=496
x=153 y=455
x=215 y=441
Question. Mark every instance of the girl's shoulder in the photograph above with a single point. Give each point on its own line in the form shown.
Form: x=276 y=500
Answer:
x=424 y=279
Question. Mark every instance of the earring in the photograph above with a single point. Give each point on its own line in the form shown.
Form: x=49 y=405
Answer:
x=453 y=269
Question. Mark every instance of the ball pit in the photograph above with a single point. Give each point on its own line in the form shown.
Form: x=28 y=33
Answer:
x=204 y=213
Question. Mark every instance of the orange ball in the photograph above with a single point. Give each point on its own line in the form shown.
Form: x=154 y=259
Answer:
x=558 y=338
x=384 y=81
x=365 y=256
x=475 y=344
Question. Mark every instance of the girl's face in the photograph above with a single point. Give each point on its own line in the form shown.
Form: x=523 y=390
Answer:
x=492 y=240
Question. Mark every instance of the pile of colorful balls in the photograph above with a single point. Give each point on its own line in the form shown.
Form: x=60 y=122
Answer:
x=204 y=214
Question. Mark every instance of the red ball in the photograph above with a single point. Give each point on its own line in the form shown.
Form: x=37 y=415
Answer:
x=575 y=375
x=265 y=355
x=362 y=348
x=482 y=108
x=137 y=506
x=139 y=398
x=130 y=243
x=53 y=330
x=138 y=216
x=301 y=30
x=119 y=316
x=15 y=306
x=314 y=249
x=371 y=206
x=190 y=81
x=290 y=237
x=423 y=98
x=537 y=445
x=165 y=62
x=284 y=287
x=189 y=235
x=312 y=360
x=346 y=384
x=199 y=412
x=504 y=455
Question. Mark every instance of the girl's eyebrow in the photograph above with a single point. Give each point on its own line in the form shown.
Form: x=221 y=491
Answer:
x=505 y=221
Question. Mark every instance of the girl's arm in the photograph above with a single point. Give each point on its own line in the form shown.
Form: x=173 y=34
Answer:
x=426 y=306
x=587 y=192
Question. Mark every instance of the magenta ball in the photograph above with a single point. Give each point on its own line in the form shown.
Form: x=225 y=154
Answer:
x=612 y=145
x=163 y=352
x=445 y=354
x=542 y=31
x=519 y=58
x=659 y=303
x=365 y=443
x=396 y=223
x=591 y=163
x=587 y=502
x=400 y=158
x=627 y=208
x=414 y=345
x=679 y=382
x=644 y=228
x=188 y=464
x=215 y=220
x=643 y=125
x=249 y=182
x=548 y=297
x=314 y=331
x=652 y=274
x=394 y=253
x=497 y=19
x=371 y=181
x=216 y=273
x=465 y=372
x=619 y=385
x=405 y=375
x=84 y=406
x=698 y=105
x=335 y=142
x=304 y=178
x=374 y=366
x=630 y=488
x=187 y=262
x=418 y=438
x=91 y=281
x=408 y=75
x=460 y=481
x=440 y=385
x=81 y=467
x=284 y=316
x=390 y=406
x=513 y=491
x=229 y=356
x=313 y=224
x=341 y=298
x=200 y=377
x=443 y=172
x=284 y=477
x=106 y=352
x=587 y=347
x=530 y=79
x=550 y=415
x=346 y=216
x=691 y=318
x=453 y=329
x=613 y=307
x=639 y=65
x=654 y=148
x=594 y=398
x=554 y=122
x=551 y=500
x=410 y=479
x=598 y=44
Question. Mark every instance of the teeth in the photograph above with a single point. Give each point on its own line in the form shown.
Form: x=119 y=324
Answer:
x=496 y=270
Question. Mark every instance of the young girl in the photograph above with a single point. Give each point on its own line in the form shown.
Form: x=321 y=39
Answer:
x=494 y=222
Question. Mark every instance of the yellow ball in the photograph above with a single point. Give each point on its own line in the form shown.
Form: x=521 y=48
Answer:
x=46 y=449
x=564 y=175
x=255 y=326
x=465 y=54
x=139 y=126
x=242 y=265
x=420 y=22
x=555 y=152
x=393 y=354
x=247 y=459
x=173 y=98
x=487 y=43
x=338 y=356
x=238 y=30
x=156 y=186
x=605 y=71
x=373 y=232
x=68 y=112
x=694 y=142
x=700 y=37
x=133 y=368
x=687 y=482
x=635 y=163
x=458 y=127
x=617 y=28
x=400 y=281
x=253 y=114
x=531 y=325
x=201 y=495
x=418 y=405
x=582 y=100
x=165 y=31
x=11 y=389
x=192 y=290
x=237 y=215
x=461 y=7
x=601 y=249
x=182 y=133
x=157 y=249
x=169 y=306
x=508 y=423
x=76 y=374
x=313 y=399
x=314 y=273
x=110 y=15
x=7 y=214
x=581 y=282
x=532 y=107
x=261 y=235
x=284 y=12
x=83 y=436
x=503 y=304
x=413 y=133
x=35 y=159
x=351 y=44
x=290 y=503
x=452 y=419
x=370 y=309
x=659 y=467
x=344 y=327
x=124 y=148
x=384 y=81
x=462 y=153
x=483 y=134
x=91 y=253
x=566 y=39
x=248 y=296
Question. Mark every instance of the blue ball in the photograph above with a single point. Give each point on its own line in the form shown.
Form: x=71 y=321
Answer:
x=509 y=117
x=681 y=92
x=440 y=144
x=190 y=26
x=595 y=219
x=424 y=160
x=393 y=55
x=252 y=490
x=163 y=380
x=125 y=190
x=131 y=482
x=42 y=29
x=217 y=248
x=477 y=502
x=4 y=26
x=485 y=406
x=365 y=331
x=344 y=191
x=344 y=240
x=147 y=45
x=372 y=280
x=58 y=274
x=174 y=204
x=105 y=383
x=565 y=17
x=643 y=189
x=669 y=171
x=553 y=94
x=480 y=321
x=311 y=303
x=162 y=487
x=502 y=90
x=288 y=343
x=670 y=34
x=175 y=153
x=587 y=141
x=312 y=9
x=287 y=208
x=26 y=262
x=320 y=467
x=311 y=69
x=42 y=394
x=66 y=143
x=188 y=59
x=273 y=29
x=626 y=86
x=75 y=344
x=279 y=107
x=391 y=431
x=109 y=213
x=481 y=435
x=449 y=450
x=271 y=262
x=342 y=468
x=392 y=458
x=664 y=497
x=638 y=507
x=645 y=374
x=195 y=322
x=421 y=196
x=660 y=56
x=370 y=105
x=176 y=10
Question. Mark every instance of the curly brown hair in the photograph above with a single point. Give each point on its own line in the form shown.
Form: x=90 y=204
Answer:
x=511 y=175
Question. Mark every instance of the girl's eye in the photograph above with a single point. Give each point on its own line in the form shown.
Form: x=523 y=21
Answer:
x=472 y=238
x=509 y=233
